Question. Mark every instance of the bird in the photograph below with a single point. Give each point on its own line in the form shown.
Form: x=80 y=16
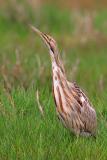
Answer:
x=73 y=107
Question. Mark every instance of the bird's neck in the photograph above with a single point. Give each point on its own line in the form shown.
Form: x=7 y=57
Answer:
x=57 y=67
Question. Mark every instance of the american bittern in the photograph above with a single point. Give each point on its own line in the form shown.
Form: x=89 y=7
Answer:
x=72 y=106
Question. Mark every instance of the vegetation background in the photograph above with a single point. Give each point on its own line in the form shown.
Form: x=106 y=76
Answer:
x=28 y=132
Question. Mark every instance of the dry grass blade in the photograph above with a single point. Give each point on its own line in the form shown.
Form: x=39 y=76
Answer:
x=39 y=105
x=4 y=73
x=17 y=69
x=4 y=112
x=10 y=98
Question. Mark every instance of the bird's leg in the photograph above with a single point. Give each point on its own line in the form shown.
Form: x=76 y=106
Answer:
x=85 y=134
x=77 y=137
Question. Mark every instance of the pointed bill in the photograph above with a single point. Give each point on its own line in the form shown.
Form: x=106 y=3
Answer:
x=42 y=35
x=35 y=30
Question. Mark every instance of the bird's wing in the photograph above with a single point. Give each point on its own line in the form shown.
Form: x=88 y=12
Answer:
x=87 y=113
x=79 y=94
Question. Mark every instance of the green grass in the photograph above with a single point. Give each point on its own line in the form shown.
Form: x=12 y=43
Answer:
x=24 y=133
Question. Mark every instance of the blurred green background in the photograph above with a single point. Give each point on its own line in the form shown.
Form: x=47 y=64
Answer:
x=80 y=29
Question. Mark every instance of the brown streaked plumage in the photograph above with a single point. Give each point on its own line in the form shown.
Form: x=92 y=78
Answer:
x=72 y=106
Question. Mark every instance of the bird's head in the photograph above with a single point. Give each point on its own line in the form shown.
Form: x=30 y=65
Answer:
x=49 y=41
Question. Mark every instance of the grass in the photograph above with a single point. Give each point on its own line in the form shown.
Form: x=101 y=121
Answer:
x=24 y=133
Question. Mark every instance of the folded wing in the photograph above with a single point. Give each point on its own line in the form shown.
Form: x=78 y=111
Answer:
x=86 y=113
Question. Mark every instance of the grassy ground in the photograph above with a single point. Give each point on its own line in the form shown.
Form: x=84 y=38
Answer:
x=24 y=133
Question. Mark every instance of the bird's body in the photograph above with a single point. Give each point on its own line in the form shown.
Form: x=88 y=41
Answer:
x=72 y=106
